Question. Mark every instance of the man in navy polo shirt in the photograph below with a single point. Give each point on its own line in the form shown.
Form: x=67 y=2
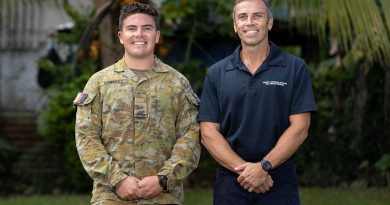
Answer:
x=255 y=113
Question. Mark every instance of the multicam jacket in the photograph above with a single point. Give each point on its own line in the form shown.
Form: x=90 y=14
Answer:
x=131 y=126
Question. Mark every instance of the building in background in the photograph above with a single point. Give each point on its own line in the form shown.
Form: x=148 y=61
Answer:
x=27 y=33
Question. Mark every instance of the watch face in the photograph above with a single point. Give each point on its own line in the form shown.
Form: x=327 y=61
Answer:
x=163 y=180
x=266 y=165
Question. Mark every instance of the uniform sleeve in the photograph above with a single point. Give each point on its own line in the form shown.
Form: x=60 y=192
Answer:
x=209 y=107
x=96 y=161
x=186 y=151
x=302 y=97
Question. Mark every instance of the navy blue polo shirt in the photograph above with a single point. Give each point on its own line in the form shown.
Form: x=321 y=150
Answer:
x=253 y=110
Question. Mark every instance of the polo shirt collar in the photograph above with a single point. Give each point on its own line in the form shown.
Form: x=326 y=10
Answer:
x=274 y=58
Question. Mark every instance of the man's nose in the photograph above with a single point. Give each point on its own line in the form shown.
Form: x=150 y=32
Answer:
x=249 y=20
x=139 y=32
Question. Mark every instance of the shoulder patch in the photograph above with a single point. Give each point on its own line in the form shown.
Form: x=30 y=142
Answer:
x=84 y=98
x=80 y=98
x=193 y=99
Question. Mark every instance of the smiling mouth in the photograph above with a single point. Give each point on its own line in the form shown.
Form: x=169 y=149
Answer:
x=251 y=31
x=139 y=43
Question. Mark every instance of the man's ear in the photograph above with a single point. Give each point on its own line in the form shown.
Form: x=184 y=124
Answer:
x=120 y=34
x=157 y=37
x=270 y=23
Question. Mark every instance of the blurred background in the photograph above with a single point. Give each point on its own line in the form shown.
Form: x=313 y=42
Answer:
x=49 y=49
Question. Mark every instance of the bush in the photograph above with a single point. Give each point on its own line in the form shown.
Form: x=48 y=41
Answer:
x=7 y=152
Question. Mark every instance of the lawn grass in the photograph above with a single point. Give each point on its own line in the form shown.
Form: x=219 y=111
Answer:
x=345 y=196
x=309 y=196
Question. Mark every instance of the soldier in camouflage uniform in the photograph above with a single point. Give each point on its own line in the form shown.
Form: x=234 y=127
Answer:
x=136 y=130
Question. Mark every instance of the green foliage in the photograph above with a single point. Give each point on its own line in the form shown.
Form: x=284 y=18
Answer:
x=194 y=17
x=80 y=22
x=383 y=164
x=357 y=25
x=194 y=73
x=60 y=113
x=335 y=149
x=314 y=155
x=57 y=120
x=7 y=151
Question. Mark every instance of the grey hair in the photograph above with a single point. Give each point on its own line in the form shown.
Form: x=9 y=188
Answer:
x=266 y=2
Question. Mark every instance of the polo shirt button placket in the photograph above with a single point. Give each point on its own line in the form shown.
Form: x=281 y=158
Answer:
x=252 y=84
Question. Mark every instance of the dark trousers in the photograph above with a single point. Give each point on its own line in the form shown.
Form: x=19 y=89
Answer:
x=227 y=191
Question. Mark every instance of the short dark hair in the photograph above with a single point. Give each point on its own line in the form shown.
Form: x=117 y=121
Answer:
x=267 y=3
x=138 y=7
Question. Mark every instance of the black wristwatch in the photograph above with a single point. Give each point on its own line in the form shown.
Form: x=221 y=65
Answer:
x=266 y=165
x=163 y=180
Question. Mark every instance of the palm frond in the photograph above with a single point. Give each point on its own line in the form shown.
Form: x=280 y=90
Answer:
x=370 y=29
x=355 y=24
x=385 y=4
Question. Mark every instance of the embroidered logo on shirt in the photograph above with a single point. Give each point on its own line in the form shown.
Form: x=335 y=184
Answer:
x=277 y=83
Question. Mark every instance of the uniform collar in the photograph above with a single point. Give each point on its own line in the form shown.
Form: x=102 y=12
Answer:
x=273 y=59
x=158 y=67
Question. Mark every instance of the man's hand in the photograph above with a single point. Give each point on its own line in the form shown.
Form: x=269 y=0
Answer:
x=265 y=187
x=150 y=186
x=253 y=178
x=127 y=189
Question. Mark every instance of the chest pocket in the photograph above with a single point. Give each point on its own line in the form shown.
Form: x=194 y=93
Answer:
x=148 y=110
x=117 y=100
x=140 y=104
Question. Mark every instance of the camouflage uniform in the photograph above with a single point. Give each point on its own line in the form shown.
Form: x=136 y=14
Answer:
x=137 y=126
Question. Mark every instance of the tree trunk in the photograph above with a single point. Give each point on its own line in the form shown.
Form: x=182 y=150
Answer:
x=110 y=50
x=361 y=98
x=386 y=89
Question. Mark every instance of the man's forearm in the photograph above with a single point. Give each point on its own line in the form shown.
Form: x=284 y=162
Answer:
x=218 y=147
x=290 y=140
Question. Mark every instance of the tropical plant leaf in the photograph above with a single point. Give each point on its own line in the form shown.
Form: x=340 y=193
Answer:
x=361 y=25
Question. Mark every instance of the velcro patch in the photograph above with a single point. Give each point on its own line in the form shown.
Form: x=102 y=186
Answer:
x=140 y=105
x=80 y=98
x=193 y=99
